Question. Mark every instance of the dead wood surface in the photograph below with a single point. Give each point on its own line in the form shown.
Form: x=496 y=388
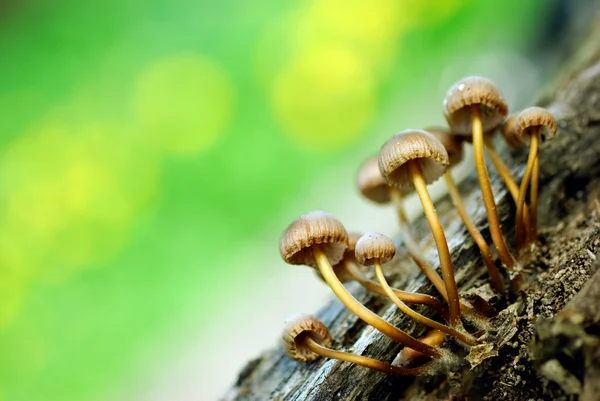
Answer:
x=557 y=270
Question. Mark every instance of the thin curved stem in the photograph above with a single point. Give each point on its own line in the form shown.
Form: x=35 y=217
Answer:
x=506 y=176
x=440 y=241
x=408 y=355
x=486 y=190
x=363 y=360
x=533 y=149
x=462 y=337
x=484 y=249
x=413 y=247
x=362 y=312
x=408 y=297
x=535 y=179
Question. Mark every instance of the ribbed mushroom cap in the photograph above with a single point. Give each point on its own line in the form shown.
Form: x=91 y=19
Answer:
x=452 y=143
x=340 y=268
x=417 y=145
x=297 y=328
x=509 y=132
x=310 y=229
x=471 y=91
x=536 y=117
x=372 y=246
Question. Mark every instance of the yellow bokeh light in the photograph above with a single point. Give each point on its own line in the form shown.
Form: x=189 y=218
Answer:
x=183 y=104
x=324 y=98
x=70 y=197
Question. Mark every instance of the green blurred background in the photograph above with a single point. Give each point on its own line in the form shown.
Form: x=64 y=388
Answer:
x=153 y=151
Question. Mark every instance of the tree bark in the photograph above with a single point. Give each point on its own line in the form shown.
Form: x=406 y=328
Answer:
x=541 y=353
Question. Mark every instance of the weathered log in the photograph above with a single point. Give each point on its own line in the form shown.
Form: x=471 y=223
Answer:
x=556 y=270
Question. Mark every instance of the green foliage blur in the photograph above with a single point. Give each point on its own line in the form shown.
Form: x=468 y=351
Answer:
x=143 y=142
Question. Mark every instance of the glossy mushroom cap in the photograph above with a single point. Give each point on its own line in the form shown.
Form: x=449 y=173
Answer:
x=452 y=143
x=373 y=246
x=536 y=117
x=297 y=327
x=509 y=132
x=310 y=229
x=416 y=145
x=472 y=91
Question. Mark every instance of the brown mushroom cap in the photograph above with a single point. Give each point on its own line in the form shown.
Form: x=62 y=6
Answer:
x=417 y=145
x=452 y=143
x=372 y=246
x=298 y=327
x=309 y=229
x=471 y=91
x=372 y=185
x=536 y=117
x=509 y=132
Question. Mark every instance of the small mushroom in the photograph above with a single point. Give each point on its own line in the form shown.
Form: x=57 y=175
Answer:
x=415 y=158
x=305 y=338
x=348 y=270
x=376 y=249
x=373 y=186
x=474 y=106
x=453 y=145
x=318 y=239
x=406 y=296
x=534 y=123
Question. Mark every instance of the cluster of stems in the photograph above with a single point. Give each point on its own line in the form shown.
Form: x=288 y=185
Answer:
x=408 y=162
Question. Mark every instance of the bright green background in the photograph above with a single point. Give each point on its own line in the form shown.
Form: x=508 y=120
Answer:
x=143 y=142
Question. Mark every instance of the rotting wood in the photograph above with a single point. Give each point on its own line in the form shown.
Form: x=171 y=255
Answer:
x=558 y=269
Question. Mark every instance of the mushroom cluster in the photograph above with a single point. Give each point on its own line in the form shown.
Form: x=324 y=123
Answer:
x=407 y=162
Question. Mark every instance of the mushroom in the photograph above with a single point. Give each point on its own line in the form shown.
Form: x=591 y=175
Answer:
x=318 y=239
x=373 y=186
x=453 y=145
x=415 y=158
x=347 y=270
x=408 y=297
x=376 y=249
x=474 y=106
x=305 y=338
x=532 y=123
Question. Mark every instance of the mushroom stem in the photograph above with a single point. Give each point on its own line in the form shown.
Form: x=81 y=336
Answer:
x=413 y=247
x=484 y=249
x=486 y=190
x=409 y=356
x=462 y=337
x=363 y=360
x=440 y=241
x=408 y=297
x=533 y=150
x=506 y=176
x=362 y=312
x=533 y=225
